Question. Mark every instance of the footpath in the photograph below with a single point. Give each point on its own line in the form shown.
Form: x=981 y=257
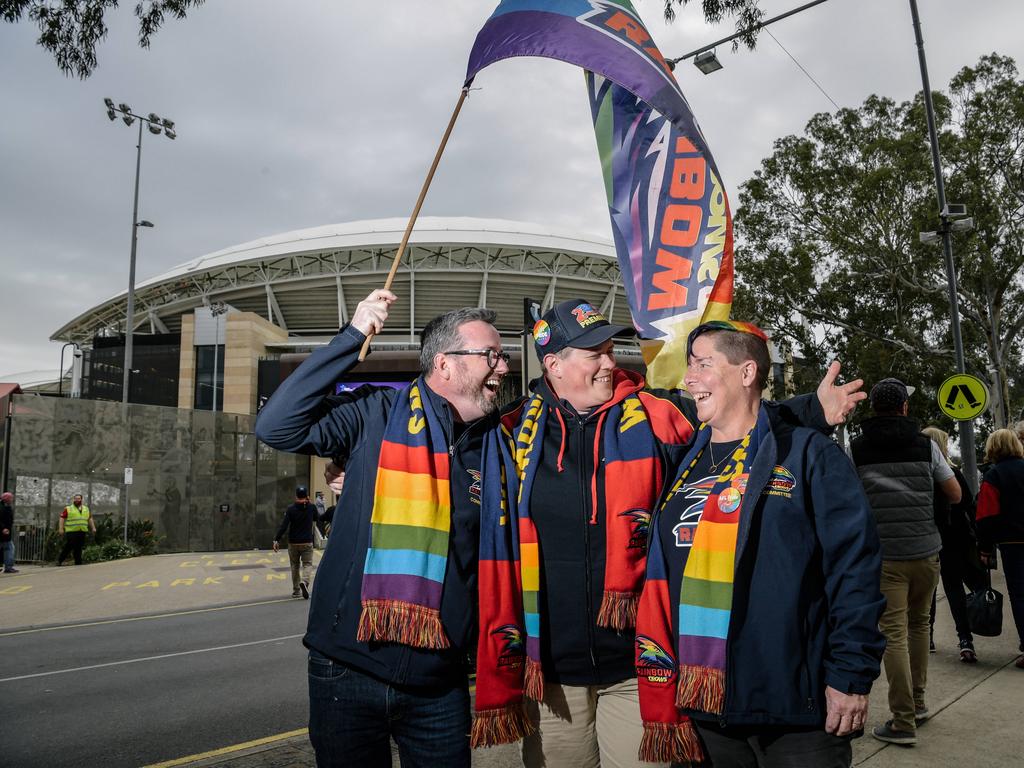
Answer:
x=977 y=710
x=40 y=596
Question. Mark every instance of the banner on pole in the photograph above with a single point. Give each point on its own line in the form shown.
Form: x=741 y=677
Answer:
x=670 y=216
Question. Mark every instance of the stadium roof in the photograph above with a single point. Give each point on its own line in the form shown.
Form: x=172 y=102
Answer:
x=308 y=281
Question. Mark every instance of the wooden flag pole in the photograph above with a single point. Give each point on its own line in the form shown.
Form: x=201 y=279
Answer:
x=416 y=211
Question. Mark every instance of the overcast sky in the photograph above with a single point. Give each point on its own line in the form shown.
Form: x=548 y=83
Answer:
x=297 y=114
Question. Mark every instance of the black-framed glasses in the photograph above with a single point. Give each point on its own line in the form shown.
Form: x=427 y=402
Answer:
x=492 y=355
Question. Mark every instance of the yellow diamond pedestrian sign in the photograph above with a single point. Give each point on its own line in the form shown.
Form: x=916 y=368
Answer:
x=963 y=397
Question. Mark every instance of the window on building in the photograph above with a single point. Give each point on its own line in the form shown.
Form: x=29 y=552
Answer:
x=208 y=382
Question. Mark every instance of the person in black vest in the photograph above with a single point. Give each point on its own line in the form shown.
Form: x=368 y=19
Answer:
x=899 y=467
x=958 y=561
x=298 y=521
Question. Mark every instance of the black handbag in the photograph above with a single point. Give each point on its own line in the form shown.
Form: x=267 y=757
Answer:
x=985 y=611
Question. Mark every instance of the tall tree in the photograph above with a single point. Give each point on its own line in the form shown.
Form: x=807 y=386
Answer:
x=830 y=256
x=71 y=29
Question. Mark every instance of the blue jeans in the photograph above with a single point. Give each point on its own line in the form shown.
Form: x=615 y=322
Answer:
x=1013 y=570
x=353 y=716
x=8 y=548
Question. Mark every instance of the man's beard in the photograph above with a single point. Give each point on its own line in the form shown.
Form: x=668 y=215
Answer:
x=477 y=392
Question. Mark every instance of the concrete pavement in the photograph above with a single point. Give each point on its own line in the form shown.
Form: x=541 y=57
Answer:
x=47 y=595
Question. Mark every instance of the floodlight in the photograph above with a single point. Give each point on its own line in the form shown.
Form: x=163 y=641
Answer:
x=707 y=62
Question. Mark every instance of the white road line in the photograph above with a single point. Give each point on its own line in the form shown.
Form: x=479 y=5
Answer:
x=149 y=658
x=146 y=618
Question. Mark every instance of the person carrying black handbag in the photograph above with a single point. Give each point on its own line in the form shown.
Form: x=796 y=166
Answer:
x=1001 y=519
x=958 y=560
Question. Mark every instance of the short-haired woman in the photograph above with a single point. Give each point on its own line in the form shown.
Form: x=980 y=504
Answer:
x=1001 y=517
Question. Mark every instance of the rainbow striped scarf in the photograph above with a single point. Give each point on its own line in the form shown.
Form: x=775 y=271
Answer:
x=405 y=565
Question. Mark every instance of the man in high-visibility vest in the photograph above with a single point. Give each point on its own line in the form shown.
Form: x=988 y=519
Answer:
x=75 y=522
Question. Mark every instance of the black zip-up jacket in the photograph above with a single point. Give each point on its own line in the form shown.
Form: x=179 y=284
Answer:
x=298 y=521
x=304 y=416
x=6 y=521
x=574 y=649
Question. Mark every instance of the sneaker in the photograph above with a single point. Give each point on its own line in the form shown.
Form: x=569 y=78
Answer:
x=921 y=715
x=889 y=734
x=931 y=646
x=11 y=570
x=296 y=593
x=967 y=654
x=1019 y=663
x=305 y=590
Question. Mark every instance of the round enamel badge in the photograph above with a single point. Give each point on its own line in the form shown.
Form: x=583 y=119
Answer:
x=729 y=500
x=541 y=333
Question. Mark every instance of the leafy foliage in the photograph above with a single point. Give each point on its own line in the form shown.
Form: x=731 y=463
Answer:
x=831 y=260
x=71 y=29
x=747 y=14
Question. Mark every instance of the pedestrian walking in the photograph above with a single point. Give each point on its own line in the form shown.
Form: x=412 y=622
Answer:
x=7 y=531
x=899 y=468
x=1001 y=519
x=958 y=560
x=75 y=522
x=298 y=522
x=321 y=511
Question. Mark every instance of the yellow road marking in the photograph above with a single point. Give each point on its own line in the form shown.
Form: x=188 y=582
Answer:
x=229 y=750
x=146 y=618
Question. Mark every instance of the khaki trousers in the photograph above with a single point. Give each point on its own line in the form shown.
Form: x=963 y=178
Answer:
x=908 y=586
x=303 y=553
x=586 y=726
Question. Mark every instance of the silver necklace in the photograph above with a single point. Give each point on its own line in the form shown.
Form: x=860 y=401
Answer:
x=714 y=464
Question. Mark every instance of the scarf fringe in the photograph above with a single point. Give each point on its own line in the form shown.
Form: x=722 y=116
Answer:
x=701 y=688
x=506 y=725
x=670 y=743
x=533 y=680
x=394 y=621
x=618 y=610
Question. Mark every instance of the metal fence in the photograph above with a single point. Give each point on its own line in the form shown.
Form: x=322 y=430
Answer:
x=201 y=477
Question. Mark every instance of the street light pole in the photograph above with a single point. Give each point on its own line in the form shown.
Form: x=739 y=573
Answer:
x=967 y=448
x=130 y=319
x=156 y=125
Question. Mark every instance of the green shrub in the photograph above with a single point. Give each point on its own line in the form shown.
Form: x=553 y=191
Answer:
x=116 y=550
x=92 y=553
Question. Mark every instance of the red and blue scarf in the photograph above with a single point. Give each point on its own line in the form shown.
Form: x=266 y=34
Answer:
x=631 y=425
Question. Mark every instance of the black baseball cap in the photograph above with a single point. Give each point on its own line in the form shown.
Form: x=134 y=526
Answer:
x=889 y=395
x=574 y=323
x=301 y=492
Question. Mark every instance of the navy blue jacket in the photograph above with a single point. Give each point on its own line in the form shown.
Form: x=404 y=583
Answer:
x=806 y=597
x=298 y=523
x=305 y=416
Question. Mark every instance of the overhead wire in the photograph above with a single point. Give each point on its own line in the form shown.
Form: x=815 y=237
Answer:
x=802 y=69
